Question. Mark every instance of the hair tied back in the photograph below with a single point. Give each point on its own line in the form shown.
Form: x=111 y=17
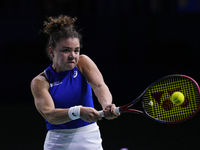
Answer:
x=55 y=24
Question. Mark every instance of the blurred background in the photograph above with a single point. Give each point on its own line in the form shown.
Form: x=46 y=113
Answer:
x=133 y=42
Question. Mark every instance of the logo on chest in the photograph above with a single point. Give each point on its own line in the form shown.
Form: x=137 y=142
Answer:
x=55 y=83
x=75 y=74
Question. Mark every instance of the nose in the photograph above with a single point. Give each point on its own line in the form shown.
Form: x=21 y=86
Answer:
x=72 y=54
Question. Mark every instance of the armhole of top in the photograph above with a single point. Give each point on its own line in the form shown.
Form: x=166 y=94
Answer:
x=45 y=73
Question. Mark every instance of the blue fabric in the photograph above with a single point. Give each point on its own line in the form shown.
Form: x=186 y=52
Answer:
x=69 y=89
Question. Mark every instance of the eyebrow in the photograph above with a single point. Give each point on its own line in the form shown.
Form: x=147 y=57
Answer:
x=70 y=47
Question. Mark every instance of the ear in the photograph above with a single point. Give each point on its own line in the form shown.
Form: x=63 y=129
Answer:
x=51 y=52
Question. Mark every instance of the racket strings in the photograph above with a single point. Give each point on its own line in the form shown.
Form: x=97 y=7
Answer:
x=161 y=106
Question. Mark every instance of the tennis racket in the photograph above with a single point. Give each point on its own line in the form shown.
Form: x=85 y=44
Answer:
x=156 y=101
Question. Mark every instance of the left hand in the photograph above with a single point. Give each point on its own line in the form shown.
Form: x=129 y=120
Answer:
x=109 y=112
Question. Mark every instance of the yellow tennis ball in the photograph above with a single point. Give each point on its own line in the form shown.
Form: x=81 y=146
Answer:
x=177 y=98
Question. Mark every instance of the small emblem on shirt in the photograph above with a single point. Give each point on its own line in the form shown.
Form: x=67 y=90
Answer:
x=55 y=83
x=75 y=74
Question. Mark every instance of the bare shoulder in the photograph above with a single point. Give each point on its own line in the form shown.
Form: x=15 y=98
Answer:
x=40 y=81
x=83 y=59
x=90 y=71
x=85 y=63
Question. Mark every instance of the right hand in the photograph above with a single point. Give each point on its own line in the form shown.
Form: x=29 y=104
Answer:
x=89 y=114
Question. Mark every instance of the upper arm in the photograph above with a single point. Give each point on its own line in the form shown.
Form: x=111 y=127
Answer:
x=42 y=98
x=90 y=71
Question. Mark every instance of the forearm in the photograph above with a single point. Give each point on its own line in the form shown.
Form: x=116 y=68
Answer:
x=105 y=99
x=60 y=116
x=103 y=95
x=56 y=116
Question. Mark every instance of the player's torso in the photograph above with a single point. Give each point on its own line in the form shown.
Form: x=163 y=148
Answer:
x=69 y=88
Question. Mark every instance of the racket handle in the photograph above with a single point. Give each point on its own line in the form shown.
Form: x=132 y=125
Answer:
x=116 y=110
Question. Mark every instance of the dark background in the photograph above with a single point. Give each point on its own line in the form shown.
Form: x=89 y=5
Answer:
x=133 y=42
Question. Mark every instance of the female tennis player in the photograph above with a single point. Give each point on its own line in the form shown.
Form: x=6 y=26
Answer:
x=63 y=92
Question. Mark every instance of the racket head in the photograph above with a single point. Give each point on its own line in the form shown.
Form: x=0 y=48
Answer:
x=157 y=104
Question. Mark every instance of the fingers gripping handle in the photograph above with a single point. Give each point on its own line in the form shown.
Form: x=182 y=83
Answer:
x=116 y=111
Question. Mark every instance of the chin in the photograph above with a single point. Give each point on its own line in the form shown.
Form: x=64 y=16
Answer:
x=70 y=67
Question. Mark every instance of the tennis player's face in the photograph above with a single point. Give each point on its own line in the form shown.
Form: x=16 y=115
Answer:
x=66 y=54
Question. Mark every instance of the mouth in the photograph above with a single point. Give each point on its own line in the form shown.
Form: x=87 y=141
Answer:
x=71 y=62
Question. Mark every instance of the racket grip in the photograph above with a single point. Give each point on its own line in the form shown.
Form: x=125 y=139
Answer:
x=116 y=111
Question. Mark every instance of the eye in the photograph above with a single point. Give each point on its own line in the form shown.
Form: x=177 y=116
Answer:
x=77 y=51
x=65 y=50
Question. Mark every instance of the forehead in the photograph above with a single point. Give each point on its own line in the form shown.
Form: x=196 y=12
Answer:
x=69 y=42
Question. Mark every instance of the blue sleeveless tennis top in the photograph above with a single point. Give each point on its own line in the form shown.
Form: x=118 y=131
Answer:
x=68 y=89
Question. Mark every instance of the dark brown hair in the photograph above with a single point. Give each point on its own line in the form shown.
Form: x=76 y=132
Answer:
x=59 y=28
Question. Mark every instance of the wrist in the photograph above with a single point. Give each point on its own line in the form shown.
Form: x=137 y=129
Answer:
x=74 y=112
